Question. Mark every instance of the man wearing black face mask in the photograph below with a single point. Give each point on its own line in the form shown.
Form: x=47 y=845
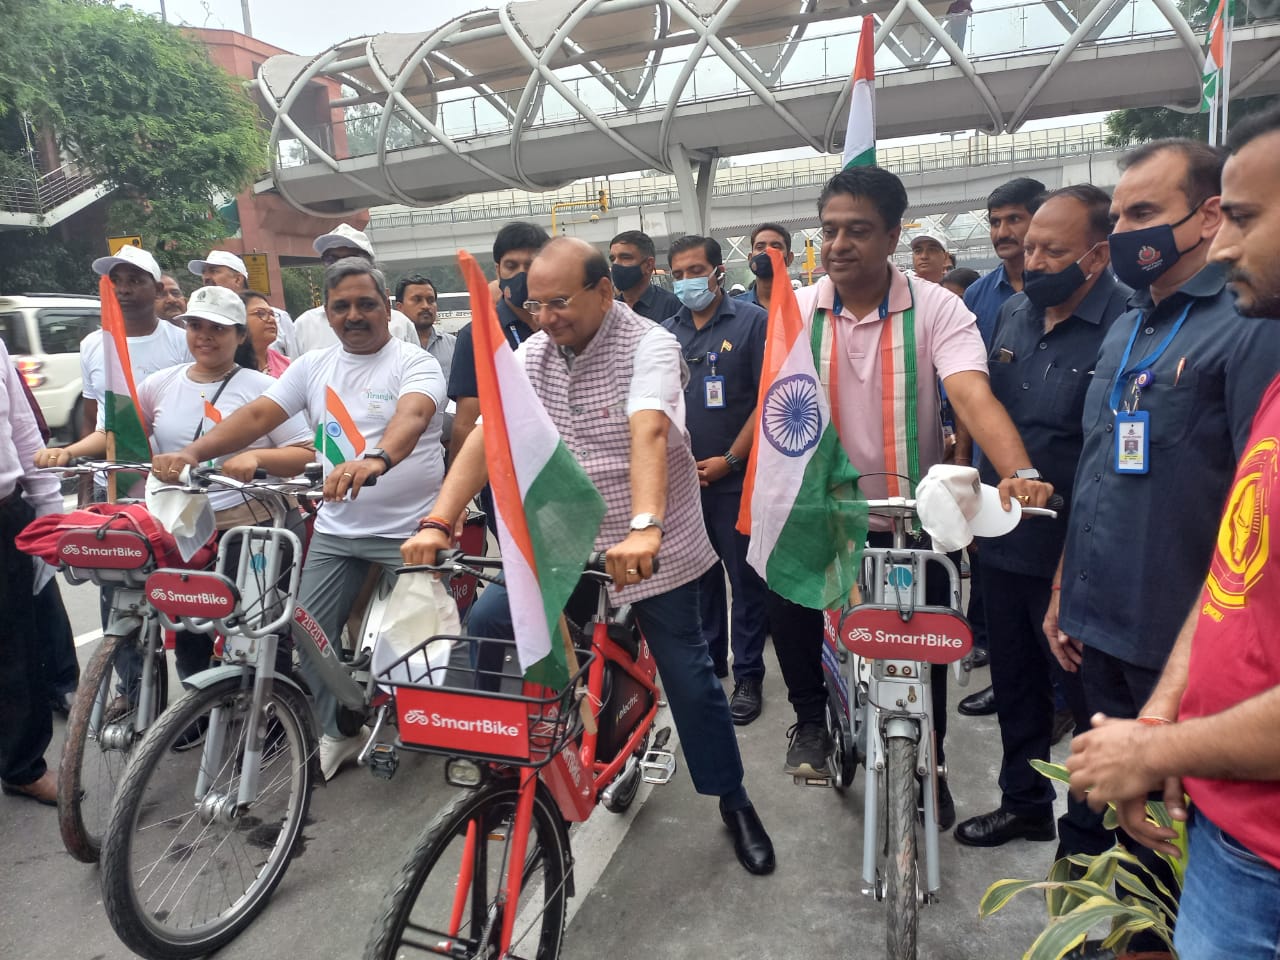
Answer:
x=766 y=237
x=1045 y=342
x=1166 y=417
x=632 y=259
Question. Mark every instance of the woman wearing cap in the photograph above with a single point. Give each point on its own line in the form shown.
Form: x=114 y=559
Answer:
x=263 y=332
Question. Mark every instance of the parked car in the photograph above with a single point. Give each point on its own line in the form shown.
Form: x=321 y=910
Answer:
x=42 y=332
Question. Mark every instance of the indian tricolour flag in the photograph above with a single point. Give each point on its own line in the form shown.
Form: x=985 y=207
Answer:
x=338 y=440
x=126 y=432
x=800 y=502
x=548 y=510
x=1217 y=69
x=860 y=134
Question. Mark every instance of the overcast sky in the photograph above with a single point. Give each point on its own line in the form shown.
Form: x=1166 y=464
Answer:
x=309 y=26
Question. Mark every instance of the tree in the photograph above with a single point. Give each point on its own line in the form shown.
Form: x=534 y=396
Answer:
x=138 y=104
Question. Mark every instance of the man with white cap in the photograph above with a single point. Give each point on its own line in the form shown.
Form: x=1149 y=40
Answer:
x=929 y=249
x=312 y=330
x=222 y=268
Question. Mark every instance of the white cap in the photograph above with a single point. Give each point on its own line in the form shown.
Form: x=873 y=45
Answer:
x=131 y=255
x=344 y=235
x=217 y=305
x=795 y=283
x=937 y=236
x=737 y=288
x=218 y=258
x=955 y=507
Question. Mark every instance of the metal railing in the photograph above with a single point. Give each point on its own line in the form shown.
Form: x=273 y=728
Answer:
x=38 y=195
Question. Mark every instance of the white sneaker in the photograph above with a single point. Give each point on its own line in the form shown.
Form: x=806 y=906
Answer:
x=335 y=751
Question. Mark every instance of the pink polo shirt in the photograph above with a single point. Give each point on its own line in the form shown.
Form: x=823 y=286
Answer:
x=947 y=342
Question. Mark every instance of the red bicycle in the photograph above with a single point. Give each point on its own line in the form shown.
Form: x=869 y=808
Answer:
x=494 y=866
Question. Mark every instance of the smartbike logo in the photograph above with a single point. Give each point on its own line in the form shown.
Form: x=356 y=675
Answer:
x=935 y=635
x=497 y=728
x=466 y=723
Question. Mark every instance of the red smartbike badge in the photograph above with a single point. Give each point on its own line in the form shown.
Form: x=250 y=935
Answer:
x=205 y=596
x=485 y=726
x=931 y=634
x=110 y=550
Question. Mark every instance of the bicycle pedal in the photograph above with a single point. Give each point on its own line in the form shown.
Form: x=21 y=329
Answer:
x=383 y=761
x=658 y=766
x=660 y=738
x=803 y=781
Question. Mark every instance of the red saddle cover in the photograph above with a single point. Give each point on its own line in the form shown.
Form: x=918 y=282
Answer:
x=42 y=535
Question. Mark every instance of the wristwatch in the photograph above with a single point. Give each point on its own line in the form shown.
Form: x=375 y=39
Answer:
x=735 y=463
x=643 y=521
x=377 y=453
x=1027 y=473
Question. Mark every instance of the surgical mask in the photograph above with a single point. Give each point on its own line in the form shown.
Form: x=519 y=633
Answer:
x=761 y=266
x=625 y=276
x=695 y=292
x=516 y=288
x=1046 y=289
x=1140 y=257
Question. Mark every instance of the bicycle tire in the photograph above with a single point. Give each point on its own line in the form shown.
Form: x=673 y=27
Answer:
x=90 y=772
x=902 y=914
x=491 y=808
x=157 y=790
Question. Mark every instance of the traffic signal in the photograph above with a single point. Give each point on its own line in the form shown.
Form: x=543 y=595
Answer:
x=604 y=201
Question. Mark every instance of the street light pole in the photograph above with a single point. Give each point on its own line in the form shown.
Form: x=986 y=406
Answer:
x=244 y=11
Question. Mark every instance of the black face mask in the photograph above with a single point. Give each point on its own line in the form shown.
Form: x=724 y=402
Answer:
x=516 y=289
x=1046 y=289
x=1140 y=257
x=761 y=266
x=625 y=276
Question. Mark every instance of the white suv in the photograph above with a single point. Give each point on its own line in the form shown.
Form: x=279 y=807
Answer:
x=42 y=332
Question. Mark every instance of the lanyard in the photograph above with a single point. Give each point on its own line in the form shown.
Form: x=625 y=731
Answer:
x=1125 y=371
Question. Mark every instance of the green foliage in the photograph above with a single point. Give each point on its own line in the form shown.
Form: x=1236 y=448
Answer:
x=1126 y=127
x=41 y=261
x=175 y=230
x=303 y=288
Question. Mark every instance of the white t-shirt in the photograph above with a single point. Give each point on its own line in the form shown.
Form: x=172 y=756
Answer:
x=156 y=351
x=366 y=389
x=311 y=331
x=174 y=405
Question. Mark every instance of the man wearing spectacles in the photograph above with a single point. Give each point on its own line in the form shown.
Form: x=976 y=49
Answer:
x=612 y=383
x=722 y=340
x=312 y=330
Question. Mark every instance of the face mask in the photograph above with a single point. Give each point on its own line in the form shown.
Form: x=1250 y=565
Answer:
x=761 y=266
x=516 y=288
x=1140 y=257
x=1046 y=289
x=625 y=276
x=695 y=292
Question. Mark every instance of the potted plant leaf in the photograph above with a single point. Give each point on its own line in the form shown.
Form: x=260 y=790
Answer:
x=1085 y=891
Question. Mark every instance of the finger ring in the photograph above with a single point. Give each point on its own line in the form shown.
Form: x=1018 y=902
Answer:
x=1024 y=497
x=632 y=570
x=346 y=474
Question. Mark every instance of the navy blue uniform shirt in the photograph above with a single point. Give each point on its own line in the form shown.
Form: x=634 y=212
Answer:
x=1041 y=379
x=736 y=336
x=1138 y=546
x=656 y=304
x=462 y=375
x=984 y=298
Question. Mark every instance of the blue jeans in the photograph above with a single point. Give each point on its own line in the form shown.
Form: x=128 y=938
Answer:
x=670 y=624
x=1230 y=905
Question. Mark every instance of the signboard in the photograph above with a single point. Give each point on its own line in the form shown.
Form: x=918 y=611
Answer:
x=259 y=275
x=115 y=243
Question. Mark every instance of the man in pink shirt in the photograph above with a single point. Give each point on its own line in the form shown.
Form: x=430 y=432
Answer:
x=878 y=312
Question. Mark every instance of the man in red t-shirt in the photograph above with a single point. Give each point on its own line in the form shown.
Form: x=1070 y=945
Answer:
x=1211 y=725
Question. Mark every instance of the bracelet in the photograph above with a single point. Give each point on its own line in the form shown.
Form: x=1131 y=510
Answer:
x=435 y=523
x=1154 y=721
x=1056 y=586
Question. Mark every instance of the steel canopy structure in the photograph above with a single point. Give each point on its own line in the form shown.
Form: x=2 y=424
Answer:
x=539 y=93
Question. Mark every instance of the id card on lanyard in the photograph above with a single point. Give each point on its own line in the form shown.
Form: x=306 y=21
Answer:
x=713 y=386
x=1132 y=425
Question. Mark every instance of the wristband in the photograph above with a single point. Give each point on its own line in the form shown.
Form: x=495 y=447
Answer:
x=1154 y=721
x=435 y=523
x=1056 y=586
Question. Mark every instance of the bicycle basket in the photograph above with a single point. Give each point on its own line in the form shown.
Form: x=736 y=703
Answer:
x=472 y=707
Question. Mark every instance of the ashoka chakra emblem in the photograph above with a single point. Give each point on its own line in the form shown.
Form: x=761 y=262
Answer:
x=792 y=420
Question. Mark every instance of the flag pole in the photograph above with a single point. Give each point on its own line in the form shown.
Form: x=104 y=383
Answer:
x=1224 y=77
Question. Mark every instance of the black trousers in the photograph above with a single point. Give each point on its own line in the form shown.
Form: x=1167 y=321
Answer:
x=55 y=629
x=1023 y=673
x=797 y=641
x=26 y=719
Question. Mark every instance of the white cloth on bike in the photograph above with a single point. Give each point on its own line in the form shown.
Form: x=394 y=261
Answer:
x=369 y=386
x=420 y=606
x=954 y=507
x=188 y=516
x=174 y=405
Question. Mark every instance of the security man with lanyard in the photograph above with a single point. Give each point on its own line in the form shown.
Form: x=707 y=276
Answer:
x=1166 y=417
x=722 y=341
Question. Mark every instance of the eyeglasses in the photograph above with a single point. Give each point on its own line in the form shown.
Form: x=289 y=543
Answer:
x=262 y=313
x=535 y=307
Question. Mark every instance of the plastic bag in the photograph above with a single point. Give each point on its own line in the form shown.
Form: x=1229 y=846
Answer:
x=420 y=606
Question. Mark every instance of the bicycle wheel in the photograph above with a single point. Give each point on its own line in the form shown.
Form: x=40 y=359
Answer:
x=182 y=877
x=102 y=730
x=900 y=860
x=431 y=911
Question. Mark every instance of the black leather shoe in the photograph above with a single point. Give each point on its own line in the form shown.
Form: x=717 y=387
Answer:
x=979 y=658
x=1000 y=826
x=750 y=841
x=980 y=704
x=746 y=702
x=946 y=807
